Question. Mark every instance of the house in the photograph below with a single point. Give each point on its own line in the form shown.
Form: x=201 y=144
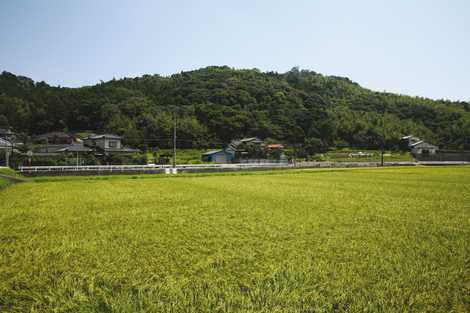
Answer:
x=59 y=144
x=424 y=148
x=49 y=149
x=275 y=151
x=6 y=147
x=76 y=148
x=107 y=144
x=245 y=150
x=5 y=144
x=218 y=156
x=235 y=151
x=419 y=147
x=10 y=136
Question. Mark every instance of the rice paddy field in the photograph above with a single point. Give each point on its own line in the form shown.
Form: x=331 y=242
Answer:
x=355 y=240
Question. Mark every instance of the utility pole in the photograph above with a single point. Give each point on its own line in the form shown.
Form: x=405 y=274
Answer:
x=174 y=140
x=8 y=152
x=295 y=156
x=383 y=140
x=7 y=157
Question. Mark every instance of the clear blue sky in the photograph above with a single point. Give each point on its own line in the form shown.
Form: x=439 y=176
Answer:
x=417 y=47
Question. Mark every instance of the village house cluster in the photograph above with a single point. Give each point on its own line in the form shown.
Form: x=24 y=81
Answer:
x=47 y=148
x=61 y=147
x=246 y=150
x=57 y=143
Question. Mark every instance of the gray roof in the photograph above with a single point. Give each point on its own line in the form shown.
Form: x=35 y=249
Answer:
x=49 y=148
x=5 y=143
x=212 y=152
x=422 y=144
x=76 y=147
x=109 y=136
x=235 y=143
x=251 y=139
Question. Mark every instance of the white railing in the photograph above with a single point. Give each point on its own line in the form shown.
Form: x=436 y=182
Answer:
x=154 y=168
x=143 y=168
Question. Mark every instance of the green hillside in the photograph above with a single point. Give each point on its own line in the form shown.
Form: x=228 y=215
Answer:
x=217 y=104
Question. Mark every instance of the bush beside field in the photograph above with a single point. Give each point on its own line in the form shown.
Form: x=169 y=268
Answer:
x=9 y=173
x=361 y=240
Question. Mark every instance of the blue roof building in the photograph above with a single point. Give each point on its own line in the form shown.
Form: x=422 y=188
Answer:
x=219 y=156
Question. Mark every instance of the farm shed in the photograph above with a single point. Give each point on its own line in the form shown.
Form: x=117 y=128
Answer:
x=218 y=156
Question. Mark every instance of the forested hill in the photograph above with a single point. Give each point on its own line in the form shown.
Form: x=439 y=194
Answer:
x=217 y=104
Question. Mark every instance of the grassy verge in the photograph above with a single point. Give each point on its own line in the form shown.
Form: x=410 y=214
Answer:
x=3 y=183
x=9 y=172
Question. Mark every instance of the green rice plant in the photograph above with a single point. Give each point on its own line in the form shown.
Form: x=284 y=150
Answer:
x=359 y=240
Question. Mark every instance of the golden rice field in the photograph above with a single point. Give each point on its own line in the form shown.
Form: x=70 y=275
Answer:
x=356 y=240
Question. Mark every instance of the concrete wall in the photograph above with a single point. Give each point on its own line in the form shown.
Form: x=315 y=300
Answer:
x=443 y=155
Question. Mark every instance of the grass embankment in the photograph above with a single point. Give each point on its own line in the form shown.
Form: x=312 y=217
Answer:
x=7 y=175
x=375 y=240
x=3 y=182
x=9 y=172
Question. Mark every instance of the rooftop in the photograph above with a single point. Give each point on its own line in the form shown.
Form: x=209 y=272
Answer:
x=100 y=136
x=5 y=143
x=423 y=144
x=76 y=147
x=212 y=152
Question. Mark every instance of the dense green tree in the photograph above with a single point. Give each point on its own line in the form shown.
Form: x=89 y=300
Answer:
x=216 y=104
x=4 y=122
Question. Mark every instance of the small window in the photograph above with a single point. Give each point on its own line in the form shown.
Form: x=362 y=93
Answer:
x=113 y=144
